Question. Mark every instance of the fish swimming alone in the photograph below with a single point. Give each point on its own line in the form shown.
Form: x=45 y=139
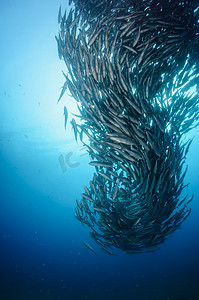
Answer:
x=89 y=247
x=65 y=116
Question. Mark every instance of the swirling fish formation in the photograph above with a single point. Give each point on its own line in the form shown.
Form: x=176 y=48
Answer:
x=130 y=67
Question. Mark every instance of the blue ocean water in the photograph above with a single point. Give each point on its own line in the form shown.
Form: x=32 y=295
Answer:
x=42 y=255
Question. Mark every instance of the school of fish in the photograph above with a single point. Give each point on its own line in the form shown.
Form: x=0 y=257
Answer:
x=132 y=67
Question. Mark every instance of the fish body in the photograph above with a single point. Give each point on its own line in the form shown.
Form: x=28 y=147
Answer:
x=99 y=209
x=59 y=15
x=89 y=247
x=100 y=164
x=108 y=252
x=65 y=116
x=74 y=126
x=63 y=91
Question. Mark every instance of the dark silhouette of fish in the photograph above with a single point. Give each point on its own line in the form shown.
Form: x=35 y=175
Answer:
x=65 y=116
x=89 y=247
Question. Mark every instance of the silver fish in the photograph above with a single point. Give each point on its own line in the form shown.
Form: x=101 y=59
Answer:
x=89 y=247
x=65 y=116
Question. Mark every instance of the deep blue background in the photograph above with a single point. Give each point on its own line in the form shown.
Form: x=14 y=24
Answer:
x=42 y=255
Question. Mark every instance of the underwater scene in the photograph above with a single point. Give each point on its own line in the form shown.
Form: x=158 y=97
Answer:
x=99 y=156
